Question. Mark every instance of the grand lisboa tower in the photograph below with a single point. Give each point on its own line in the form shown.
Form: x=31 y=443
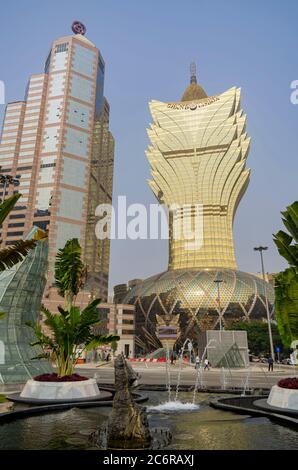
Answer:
x=197 y=157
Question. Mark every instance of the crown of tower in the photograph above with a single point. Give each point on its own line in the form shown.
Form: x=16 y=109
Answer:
x=194 y=91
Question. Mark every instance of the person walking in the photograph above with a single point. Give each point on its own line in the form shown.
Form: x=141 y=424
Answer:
x=206 y=366
x=197 y=362
x=270 y=364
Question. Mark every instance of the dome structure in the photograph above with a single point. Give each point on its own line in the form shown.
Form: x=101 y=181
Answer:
x=194 y=91
x=192 y=294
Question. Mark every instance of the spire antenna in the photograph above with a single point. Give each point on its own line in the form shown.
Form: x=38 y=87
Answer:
x=193 y=73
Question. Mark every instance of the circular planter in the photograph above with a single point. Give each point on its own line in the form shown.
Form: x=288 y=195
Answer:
x=283 y=398
x=60 y=390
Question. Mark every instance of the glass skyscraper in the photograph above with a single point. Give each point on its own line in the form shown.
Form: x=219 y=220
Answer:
x=50 y=142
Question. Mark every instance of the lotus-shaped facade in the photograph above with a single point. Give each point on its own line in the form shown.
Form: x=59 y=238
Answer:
x=197 y=157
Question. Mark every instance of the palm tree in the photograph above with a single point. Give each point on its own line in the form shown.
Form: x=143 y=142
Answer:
x=286 y=282
x=14 y=253
x=70 y=271
x=72 y=330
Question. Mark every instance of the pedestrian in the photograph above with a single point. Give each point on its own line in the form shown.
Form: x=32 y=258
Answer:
x=270 y=364
x=197 y=362
x=206 y=366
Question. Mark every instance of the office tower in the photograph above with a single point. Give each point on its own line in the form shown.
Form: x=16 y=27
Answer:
x=197 y=158
x=97 y=252
x=55 y=142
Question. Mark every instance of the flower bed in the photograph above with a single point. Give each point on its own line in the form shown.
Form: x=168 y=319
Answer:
x=54 y=378
x=50 y=387
x=285 y=394
x=289 y=382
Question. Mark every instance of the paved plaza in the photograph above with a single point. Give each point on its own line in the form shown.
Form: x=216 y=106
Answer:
x=257 y=376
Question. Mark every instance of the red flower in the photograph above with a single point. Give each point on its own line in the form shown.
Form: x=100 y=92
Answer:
x=55 y=378
x=290 y=382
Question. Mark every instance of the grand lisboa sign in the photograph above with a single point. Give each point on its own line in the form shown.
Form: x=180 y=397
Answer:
x=192 y=106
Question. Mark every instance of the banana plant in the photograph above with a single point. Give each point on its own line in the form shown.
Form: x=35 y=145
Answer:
x=286 y=282
x=71 y=329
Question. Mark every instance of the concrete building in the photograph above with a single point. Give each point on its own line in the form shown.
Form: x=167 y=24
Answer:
x=58 y=144
x=120 y=291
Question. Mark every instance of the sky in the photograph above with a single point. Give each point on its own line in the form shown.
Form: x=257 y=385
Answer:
x=147 y=47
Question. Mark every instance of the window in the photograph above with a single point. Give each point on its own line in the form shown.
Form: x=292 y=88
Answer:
x=21 y=168
x=61 y=48
x=41 y=224
x=14 y=234
x=47 y=64
x=48 y=165
x=10 y=242
x=42 y=213
x=17 y=224
x=127 y=312
x=128 y=332
x=128 y=322
x=17 y=216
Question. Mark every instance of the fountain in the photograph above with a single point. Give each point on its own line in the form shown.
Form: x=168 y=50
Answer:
x=127 y=426
x=190 y=347
x=223 y=378
x=246 y=383
x=174 y=405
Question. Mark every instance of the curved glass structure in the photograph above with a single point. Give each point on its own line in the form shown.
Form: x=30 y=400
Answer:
x=193 y=295
x=21 y=290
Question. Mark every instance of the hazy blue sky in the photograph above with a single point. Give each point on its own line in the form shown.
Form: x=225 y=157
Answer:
x=147 y=47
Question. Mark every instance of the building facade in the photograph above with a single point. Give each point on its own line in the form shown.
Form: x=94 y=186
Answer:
x=197 y=158
x=58 y=145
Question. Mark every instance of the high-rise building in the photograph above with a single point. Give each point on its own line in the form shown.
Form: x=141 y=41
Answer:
x=57 y=143
x=97 y=252
x=197 y=157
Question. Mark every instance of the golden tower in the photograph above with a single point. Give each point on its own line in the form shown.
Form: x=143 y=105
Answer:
x=197 y=157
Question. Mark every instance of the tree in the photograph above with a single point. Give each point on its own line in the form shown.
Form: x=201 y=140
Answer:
x=70 y=271
x=71 y=329
x=14 y=253
x=257 y=335
x=286 y=282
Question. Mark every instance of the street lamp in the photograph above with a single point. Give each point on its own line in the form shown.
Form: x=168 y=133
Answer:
x=218 y=282
x=6 y=180
x=261 y=249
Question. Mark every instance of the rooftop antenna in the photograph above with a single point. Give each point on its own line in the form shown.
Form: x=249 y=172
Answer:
x=193 y=73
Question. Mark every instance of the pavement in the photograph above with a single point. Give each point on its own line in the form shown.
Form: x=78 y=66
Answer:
x=256 y=376
x=154 y=374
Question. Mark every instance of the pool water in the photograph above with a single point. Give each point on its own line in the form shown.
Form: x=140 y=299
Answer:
x=204 y=429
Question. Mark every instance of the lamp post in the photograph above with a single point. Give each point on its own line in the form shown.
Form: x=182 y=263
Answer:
x=261 y=249
x=218 y=282
x=6 y=180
